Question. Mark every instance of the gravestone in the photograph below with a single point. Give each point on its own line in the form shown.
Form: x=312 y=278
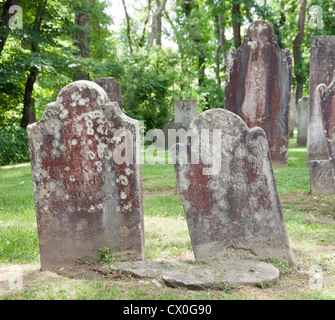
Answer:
x=292 y=121
x=328 y=117
x=322 y=64
x=302 y=121
x=320 y=177
x=85 y=158
x=258 y=87
x=112 y=88
x=184 y=112
x=321 y=180
x=231 y=202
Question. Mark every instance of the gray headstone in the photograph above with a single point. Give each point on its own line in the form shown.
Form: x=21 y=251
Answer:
x=302 y=121
x=322 y=64
x=184 y=112
x=327 y=99
x=292 y=121
x=321 y=180
x=112 y=88
x=85 y=158
x=231 y=201
x=258 y=87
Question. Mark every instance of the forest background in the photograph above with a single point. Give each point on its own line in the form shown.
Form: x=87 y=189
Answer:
x=158 y=50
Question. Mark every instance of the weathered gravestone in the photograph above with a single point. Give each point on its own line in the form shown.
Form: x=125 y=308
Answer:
x=322 y=64
x=112 y=88
x=302 y=121
x=321 y=177
x=231 y=203
x=328 y=117
x=85 y=160
x=185 y=111
x=292 y=120
x=258 y=87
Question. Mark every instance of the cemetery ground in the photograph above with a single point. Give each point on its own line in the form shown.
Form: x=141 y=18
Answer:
x=310 y=222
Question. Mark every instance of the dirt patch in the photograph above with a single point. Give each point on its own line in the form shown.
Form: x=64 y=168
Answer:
x=15 y=166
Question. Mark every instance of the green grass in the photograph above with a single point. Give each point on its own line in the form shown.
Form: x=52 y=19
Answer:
x=310 y=222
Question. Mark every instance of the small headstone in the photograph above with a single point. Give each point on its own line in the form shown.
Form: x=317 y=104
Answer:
x=184 y=112
x=112 y=88
x=231 y=202
x=302 y=121
x=85 y=158
x=321 y=180
x=292 y=121
x=258 y=87
x=322 y=64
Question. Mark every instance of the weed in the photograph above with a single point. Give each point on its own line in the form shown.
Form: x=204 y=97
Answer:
x=106 y=255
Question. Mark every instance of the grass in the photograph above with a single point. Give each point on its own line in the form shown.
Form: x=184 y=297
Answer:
x=310 y=222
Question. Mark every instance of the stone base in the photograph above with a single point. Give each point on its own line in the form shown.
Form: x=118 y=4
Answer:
x=201 y=274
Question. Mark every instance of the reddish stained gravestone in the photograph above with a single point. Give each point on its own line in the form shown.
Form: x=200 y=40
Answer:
x=322 y=64
x=258 y=87
x=231 y=205
x=88 y=192
x=328 y=117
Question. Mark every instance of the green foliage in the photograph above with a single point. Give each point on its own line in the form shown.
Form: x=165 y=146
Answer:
x=13 y=145
x=151 y=78
x=147 y=85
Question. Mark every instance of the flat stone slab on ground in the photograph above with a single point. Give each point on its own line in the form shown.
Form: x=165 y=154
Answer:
x=201 y=274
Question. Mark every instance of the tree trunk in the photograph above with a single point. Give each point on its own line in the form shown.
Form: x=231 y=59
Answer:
x=156 y=22
x=159 y=28
x=128 y=26
x=297 y=56
x=236 y=23
x=145 y=24
x=4 y=23
x=218 y=49
x=28 y=114
x=81 y=40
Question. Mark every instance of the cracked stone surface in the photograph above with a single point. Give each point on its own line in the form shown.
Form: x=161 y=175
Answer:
x=228 y=192
x=202 y=274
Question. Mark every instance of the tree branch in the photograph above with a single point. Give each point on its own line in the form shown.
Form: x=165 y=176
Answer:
x=128 y=26
x=155 y=22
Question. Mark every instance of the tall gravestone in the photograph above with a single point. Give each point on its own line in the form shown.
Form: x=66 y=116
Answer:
x=85 y=158
x=328 y=117
x=322 y=64
x=112 y=88
x=292 y=121
x=258 y=87
x=321 y=180
x=231 y=203
x=302 y=121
